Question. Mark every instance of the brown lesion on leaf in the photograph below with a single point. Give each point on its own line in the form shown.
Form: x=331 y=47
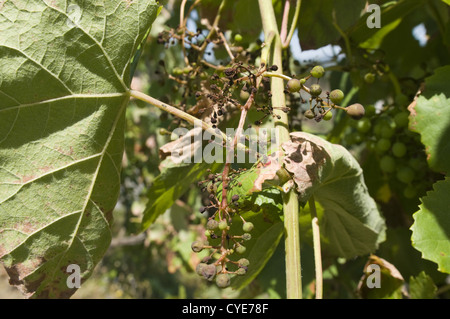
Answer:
x=3 y=250
x=129 y=3
x=25 y=226
x=412 y=107
x=268 y=170
x=109 y=216
x=304 y=158
x=27 y=178
x=17 y=276
x=68 y=153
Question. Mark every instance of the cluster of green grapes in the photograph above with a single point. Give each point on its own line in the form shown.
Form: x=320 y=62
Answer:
x=320 y=106
x=399 y=151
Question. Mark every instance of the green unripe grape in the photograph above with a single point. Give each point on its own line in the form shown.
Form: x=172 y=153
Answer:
x=359 y=137
x=212 y=224
x=248 y=227
x=401 y=119
x=387 y=164
x=336 y=96
x=223 y=225
x=401 y=100
x=370 y=110
x=377 y=129
x=240 y=249
x=356 y=111
x=293 y=85
x=241 y=271
x=177 y=71
x=399 y=149
x=387 y=131
x=187 y=69
x=243 y=262
x=410 y=191
x=246 y=236
x=244 y=95
x=207 y=233
x=302 y=81
x=369 y=78
x=197 y=246
x=370 y=145
x=383 y=145
x=309 y=114
x=237 y=37
x=317 y=71
x=416 y=163
x=363 y=125
x=328 y=116
x=222 y=280
x=315 y=90
x=405 y=174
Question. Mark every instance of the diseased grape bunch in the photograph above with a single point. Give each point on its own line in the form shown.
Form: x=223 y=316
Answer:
x=218 y=93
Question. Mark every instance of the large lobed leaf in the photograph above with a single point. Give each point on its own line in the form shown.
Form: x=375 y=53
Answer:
x=351 y=223
x=430 y=117
x=431 y=228
x=63 y=92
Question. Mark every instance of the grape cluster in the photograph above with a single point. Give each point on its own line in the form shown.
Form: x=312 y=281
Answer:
x=320 y=106
x=400 y=154
x=222 y=242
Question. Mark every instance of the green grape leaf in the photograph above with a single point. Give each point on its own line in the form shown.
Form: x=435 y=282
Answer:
x=422 y=287
x=64 y=74
x=170 y=185
x=430 y=117
x=431 y=227
x=351 y=224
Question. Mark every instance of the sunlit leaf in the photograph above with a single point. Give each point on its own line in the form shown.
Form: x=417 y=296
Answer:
x=431 y=228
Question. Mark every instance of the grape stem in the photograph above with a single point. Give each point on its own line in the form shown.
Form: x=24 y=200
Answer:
x=317 y=248
x=286 y=37
x=277 y=75
x=290 y=201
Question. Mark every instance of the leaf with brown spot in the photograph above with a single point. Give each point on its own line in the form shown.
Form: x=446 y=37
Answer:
x=64 y=88
x=351 y=224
